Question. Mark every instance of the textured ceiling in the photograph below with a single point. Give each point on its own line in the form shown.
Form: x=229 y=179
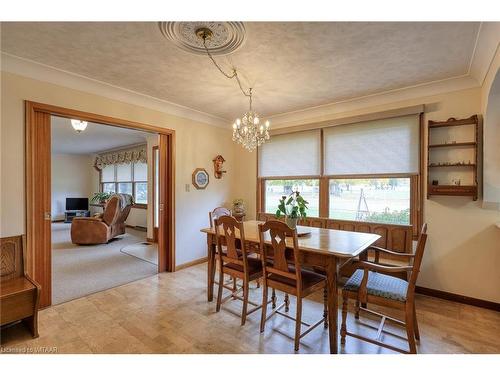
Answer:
x=291 y=66
x=96 y=138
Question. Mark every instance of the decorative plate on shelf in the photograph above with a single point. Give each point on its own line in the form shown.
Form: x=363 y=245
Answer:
x=200 y=178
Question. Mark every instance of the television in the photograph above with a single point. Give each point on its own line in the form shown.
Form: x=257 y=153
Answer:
x=77 y=204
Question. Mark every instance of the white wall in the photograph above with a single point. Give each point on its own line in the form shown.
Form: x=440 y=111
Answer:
x=196 y=144
x=71 y=178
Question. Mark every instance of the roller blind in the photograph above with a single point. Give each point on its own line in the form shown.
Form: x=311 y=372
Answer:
x=373 y=147
x=108 y=173
x=140 y=171
x=294 y=154
x=123 y=172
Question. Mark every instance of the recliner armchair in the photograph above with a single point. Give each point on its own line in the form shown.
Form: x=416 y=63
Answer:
x=98 y=230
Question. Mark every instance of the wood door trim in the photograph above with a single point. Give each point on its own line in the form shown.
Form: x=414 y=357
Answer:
x=94 y=117
x=40 y=266
x=38 y=227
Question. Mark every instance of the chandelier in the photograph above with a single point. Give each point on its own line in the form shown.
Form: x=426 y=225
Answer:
x=78 y=125
x=247 y=130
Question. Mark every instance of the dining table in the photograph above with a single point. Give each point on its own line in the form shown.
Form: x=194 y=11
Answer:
x=325 y=249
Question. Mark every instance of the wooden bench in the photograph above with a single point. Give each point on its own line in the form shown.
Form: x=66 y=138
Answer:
x=19 y=294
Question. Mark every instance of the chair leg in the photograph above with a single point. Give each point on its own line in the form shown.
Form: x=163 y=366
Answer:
x=219 y=293
x=235 y=286
x=417 y=333
x=287 y=302
x=273 y=299
x=410 y=328
x=356 y=311
x=264 y=309
x=245 y=302
x=343 y=328
x=298 y=322
x=325 y=306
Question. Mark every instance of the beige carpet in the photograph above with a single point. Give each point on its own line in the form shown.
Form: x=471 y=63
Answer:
x=81 y=270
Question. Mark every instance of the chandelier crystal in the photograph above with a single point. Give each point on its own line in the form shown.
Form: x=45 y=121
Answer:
x=78 y=125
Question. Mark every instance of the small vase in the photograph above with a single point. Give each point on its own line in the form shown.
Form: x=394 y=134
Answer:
x=291 y=222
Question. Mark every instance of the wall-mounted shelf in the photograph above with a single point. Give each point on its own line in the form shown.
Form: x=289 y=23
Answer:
x=454 y=190
x=458 y=144
x=448 y=167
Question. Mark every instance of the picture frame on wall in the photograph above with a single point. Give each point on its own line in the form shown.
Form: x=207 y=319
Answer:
x=200 y=178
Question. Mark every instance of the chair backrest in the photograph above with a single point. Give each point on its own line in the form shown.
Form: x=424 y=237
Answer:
x=417 y=260
x=234 y=240
x=117 y=208
x=281 y=258
x=216 y=213
x=112 y=210
x=11 y=257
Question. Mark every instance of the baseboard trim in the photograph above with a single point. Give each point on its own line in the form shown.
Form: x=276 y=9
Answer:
x=458 y=298
x=191 y=264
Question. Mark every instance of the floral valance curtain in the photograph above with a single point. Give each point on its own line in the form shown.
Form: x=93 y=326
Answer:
x=126 y=156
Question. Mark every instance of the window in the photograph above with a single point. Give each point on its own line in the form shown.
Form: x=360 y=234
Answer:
x=377 y=200
x=128 y=179
x=366 y=171
x=295 y=155
x=275 y=189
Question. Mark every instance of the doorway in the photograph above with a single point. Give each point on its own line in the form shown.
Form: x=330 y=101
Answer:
x=38 y=189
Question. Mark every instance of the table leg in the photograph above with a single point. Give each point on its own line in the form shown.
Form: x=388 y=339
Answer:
x=211 y=269
x=331 y=274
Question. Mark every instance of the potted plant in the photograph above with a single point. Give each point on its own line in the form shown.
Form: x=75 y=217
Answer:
x=293 y=207
x=101 y=197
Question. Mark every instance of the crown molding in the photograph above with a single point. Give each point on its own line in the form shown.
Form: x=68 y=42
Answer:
x=487 y=44
x=28 y=68
x=329 y=111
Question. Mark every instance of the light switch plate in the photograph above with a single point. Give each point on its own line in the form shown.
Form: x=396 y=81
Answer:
x=188 y=188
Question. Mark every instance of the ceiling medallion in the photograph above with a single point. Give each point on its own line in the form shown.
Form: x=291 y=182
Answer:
x=226 y=37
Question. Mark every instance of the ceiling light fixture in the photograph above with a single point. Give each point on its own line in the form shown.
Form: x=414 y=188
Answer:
x=78 y=125
x=247 y=131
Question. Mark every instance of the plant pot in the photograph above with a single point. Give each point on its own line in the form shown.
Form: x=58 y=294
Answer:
x=291 y=222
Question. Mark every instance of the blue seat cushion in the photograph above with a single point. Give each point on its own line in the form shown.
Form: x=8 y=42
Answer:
x=379 y=285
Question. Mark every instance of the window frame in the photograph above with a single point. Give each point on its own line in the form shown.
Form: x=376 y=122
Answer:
x=416 y=184
x=101 y=185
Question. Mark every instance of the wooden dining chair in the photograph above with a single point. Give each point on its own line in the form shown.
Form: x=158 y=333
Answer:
x=235 y=262
x=282 y=271
x=369 y=285
x=216 y=213
x=212 y=215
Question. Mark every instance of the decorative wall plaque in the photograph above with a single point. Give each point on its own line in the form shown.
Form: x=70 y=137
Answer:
x=200 y=178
